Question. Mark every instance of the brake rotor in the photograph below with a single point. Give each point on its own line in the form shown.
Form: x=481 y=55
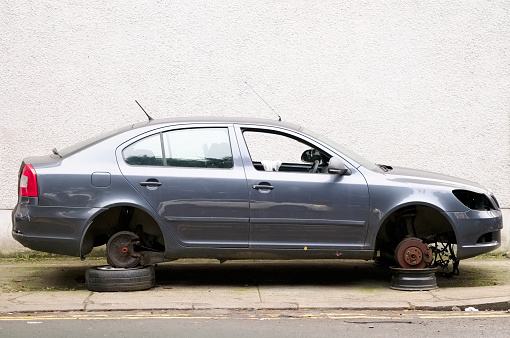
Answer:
x=120 y=250
x=412 y=253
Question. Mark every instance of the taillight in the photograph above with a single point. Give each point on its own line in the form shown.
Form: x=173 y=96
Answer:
x=28 y=182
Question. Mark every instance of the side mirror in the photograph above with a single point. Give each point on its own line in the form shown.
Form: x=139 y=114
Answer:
x=311 y=155
x=337 y=166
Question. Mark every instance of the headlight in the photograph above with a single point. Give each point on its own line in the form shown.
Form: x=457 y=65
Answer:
x=475 y=201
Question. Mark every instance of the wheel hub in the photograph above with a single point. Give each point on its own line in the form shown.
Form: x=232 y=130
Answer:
x=413 y=256
x=412 y=253
x=120 y=250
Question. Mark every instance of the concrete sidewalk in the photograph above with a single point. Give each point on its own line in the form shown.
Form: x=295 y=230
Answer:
x=58 y=285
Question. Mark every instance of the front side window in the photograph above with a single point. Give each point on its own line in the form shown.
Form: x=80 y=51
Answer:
x=264 y=146
x=146 y=152
x=199 y=148
x=272 y=151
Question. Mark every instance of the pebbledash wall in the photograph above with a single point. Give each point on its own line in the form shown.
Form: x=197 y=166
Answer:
x=416 y=84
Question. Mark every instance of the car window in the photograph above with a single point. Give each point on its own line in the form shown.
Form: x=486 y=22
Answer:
x=91 y=141
x=146 y=151
x=349 y=153
x=198 y=147
x=270 y=151
x=273 y=147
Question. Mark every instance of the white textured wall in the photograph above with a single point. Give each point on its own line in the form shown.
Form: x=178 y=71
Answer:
x=418 y=84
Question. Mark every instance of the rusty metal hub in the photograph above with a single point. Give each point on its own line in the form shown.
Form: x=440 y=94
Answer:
x=412 y=253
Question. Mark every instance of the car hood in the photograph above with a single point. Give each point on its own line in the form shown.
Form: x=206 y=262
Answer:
x=414 y=176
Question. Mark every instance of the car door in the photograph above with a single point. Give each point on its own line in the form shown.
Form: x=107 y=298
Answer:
x=193 y=177
x=293 y=208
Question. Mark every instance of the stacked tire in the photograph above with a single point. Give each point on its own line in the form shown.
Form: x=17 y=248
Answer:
x=107 y=278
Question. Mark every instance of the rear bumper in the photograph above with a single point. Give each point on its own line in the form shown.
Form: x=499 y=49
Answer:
x=62 y=246
x=51 y=229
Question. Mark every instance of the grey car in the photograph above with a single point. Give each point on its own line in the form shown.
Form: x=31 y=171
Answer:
x=244 y=188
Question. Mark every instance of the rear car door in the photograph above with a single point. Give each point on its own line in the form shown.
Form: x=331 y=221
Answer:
x=193 y=177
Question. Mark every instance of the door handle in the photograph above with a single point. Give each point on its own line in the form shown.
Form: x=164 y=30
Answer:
x=262 y=186
x=150 y=184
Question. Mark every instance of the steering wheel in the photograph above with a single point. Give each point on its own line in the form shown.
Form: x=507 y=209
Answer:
x=314 y=167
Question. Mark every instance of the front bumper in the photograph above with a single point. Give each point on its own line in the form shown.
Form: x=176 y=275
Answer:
x=477 y=232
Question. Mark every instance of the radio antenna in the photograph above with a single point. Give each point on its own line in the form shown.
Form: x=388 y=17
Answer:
x=267 y=104
x=148 y=116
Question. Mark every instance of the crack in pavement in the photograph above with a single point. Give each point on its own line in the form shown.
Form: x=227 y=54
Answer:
x=434 y=295
x=15 y=299
x=87 y=301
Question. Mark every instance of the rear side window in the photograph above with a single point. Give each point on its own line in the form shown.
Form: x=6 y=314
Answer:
x=192 y=148
x=198 y=148
x=146 y=152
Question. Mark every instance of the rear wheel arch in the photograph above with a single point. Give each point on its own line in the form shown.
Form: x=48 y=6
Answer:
x=122 y=217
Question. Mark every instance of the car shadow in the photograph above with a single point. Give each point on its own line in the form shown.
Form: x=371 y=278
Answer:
x=271 y=273
x=245 y=273
x=339 y=273
x=45 y=278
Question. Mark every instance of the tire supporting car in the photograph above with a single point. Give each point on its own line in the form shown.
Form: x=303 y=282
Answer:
x=110 y=279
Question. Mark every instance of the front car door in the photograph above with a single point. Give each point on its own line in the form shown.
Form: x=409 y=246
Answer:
x=193 y=177
x=292 y=208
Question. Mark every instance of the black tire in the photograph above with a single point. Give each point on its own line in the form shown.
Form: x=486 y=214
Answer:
x=109 y=279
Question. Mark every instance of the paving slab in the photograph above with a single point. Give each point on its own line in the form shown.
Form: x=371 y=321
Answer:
x=58 y=285
x=43 y=301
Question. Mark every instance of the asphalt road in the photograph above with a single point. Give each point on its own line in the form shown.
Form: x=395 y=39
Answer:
x=221 y=323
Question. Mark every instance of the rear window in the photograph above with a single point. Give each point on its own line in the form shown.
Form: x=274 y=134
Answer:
x=91 y=141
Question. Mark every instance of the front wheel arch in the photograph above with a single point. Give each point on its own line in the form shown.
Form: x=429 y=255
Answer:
x=427 y=222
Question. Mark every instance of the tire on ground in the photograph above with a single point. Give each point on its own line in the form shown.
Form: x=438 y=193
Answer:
x=109 y=279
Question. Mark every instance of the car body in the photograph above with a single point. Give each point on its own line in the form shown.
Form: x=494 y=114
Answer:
x=232 y=188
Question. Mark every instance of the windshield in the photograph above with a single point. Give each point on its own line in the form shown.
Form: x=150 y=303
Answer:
x=87 y=143
x=347 y=152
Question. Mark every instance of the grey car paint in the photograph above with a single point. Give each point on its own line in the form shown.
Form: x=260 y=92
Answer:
x=242 y=212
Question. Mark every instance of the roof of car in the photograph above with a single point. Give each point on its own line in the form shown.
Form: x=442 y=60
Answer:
x=213 y=119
